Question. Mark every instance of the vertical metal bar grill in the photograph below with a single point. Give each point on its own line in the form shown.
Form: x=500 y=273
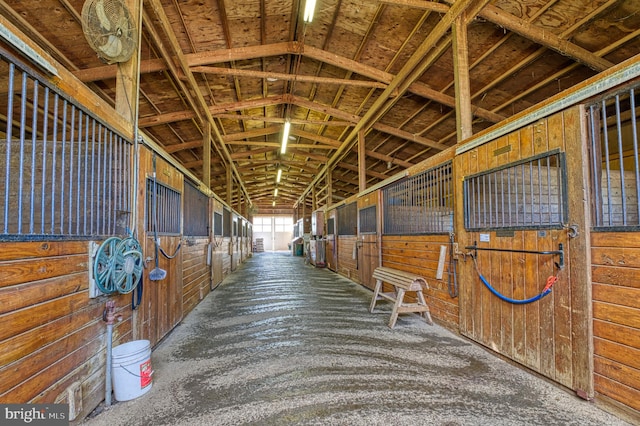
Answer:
x=61 y=180
x=348 y=219
x=167 y=217
x=526 y=194
x=368 y=220
x=615 y=172
x=420 y=204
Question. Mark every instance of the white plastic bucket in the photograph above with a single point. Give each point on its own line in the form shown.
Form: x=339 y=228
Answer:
x=131 y=369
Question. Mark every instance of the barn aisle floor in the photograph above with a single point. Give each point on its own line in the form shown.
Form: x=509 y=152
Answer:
x=283 y=343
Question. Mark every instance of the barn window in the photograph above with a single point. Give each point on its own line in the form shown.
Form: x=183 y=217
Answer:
x=217 y=224
x=615 y=173
x=368 y=218
x=331 y=226
x=196 y=212
x=348 y=219
x=420 y=204
x=163 y=209
x=226 y=222
x=64 y=173
x=527 y=194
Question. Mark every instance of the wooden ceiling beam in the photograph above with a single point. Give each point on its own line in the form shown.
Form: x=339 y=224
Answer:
x=282 y=120
x=288 y=77
x=248 y=153
x=247 y=104
x=252 y=134
x=167 y=118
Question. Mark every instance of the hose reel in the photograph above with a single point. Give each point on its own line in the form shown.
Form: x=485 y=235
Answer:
x=118 y=265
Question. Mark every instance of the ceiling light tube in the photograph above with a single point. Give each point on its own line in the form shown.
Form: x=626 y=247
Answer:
x=285 y=137
x=275 y=192
x=309 y=7
x=279 y=175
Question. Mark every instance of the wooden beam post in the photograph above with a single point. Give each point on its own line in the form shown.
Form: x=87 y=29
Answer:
x=329 y=187
x=362 y=162
x=206 y=155
x=127 y=75
x=464 y=114
x=229 y=186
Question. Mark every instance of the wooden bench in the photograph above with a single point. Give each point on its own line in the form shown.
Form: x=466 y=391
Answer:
x=402 y=282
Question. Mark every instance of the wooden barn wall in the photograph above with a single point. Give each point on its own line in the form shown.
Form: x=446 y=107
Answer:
x=616 y=316
x=196 y=274
x=53 y=336
x=419 y=254
x=551 y=336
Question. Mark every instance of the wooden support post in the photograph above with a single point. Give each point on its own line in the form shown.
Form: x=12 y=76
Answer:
x=314 y=199
x=362 y=162
x=229 y=187
x=329 y=177
x=464 y=115
x=206 y=155
x=127 y=75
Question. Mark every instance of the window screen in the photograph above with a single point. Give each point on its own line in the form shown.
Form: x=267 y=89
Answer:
x=217 y=224
x=331 y=226
x=163 y=209
x=196 y=211
x=615 y=172
x=368 y=220
x=226 y=222
x=420 y=204
x=348 y=219
x=527 y=194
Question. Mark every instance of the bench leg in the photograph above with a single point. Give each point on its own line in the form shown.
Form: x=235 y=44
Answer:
x=394 y=312
x=375 y=295
x=422 y=301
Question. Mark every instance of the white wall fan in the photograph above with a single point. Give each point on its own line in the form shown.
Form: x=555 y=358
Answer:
x=109 y=29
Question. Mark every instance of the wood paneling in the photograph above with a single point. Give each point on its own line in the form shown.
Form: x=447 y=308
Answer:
x=615 y=268
x=196 y=274
x=347 y=257
x=419 y=254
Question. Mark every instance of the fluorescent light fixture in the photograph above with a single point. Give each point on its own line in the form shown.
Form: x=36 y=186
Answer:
x=309 y=7
x=285 y=136
x=274 y=203
x=279 y=175
x=275 y=192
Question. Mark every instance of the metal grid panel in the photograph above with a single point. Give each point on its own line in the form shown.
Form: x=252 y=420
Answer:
x=65 y=173
x=523 y=195
x=196 y=211
x=348 y=219
x=421 y=204
x=167 y=217
x=368 y=219
x=615 y=174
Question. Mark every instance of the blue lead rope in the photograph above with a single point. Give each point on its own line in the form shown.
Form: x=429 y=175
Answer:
x=547 y=289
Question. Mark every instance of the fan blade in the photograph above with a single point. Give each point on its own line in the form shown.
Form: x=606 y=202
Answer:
x=112 y=47
x=102 y=16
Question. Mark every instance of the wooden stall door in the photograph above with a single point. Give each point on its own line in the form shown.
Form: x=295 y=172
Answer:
x=161 y=307
x=331 y=250
x=552 y=335
x=368 y=238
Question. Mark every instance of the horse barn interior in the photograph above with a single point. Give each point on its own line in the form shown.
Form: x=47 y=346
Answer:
x=487 y=147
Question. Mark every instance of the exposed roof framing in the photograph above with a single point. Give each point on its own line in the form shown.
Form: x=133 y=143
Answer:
x=409 y=77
